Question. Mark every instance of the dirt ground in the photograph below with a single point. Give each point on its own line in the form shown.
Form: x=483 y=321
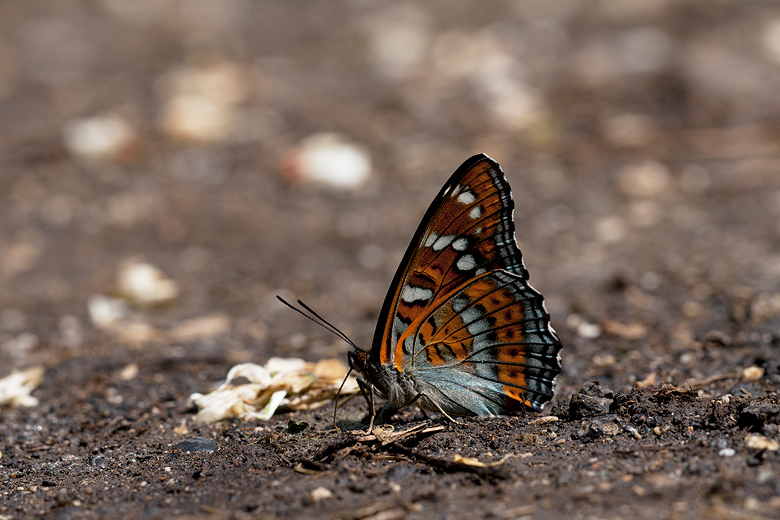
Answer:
x=642 y=142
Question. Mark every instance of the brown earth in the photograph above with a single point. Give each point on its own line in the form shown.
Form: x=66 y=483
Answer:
x=642 y=140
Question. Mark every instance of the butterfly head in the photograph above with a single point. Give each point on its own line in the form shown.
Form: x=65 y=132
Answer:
x=358 y=360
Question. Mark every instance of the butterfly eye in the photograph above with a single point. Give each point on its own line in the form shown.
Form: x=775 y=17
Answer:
x=357 y=360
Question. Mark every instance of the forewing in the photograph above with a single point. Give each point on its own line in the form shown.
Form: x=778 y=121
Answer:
x=468 y=230
x=486 y=347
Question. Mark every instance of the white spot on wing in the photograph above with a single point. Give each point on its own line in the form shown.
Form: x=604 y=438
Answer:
x=459 y=303
x=475 y=213
x=466 y=197
x=470 y=315
x=442 y=242
x=412 y=294
x=460 y=244
x=431 y=239
x=466 y=262
x=478 y=327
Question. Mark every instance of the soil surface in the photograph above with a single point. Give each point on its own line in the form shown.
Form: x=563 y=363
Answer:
x=642 y=141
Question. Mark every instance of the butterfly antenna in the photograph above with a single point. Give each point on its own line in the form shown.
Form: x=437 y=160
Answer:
x=319 y=320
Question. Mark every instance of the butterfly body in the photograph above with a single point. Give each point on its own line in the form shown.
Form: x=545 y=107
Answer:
x=461 y=331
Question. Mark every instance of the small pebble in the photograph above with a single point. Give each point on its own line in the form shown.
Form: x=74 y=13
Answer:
x=104 y=311
x=328 y=159
x=203 y=327
x=196 y=444
x=129 y=372
x=752 y=374
x=583 y=328
x=582 y=406
x=99 y=137
x=645 y=180
x=202 y=103
x=759 y=442
x=145 y=285
x=727 y=452
x=320 y=493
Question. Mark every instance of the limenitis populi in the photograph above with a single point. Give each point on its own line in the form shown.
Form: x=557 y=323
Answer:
x=461 y=332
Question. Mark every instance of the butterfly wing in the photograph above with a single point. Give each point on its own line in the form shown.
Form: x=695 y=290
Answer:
x=468 y=229
x=467 y=234
x=484 y=348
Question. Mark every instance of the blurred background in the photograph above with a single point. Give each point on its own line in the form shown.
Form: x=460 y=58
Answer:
x=167 y=167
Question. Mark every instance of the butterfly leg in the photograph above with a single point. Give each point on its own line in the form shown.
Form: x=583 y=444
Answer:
x=368 y=393
x=445 y=414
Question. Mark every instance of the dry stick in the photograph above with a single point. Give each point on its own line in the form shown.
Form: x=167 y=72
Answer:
x=696 y=385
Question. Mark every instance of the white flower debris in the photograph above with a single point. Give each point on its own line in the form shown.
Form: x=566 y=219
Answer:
x=287 y=383
x=15 y=388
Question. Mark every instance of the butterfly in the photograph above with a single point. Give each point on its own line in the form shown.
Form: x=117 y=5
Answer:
x=461 y=332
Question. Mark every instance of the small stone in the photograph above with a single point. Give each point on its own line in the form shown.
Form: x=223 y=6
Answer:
x=145 y=285
x=320 y=493
x=105 y=312
x=765 y=307
x=753 y=417
x=181 y=429
x=591 y=431
x=202 y=102
x=201 y=328
x=759 y=442
x=129 y=372
x=631 y=331
x=100 y=137
x=582 y=406
x=196 y=444
x=752 y=374
x=137 y=332
x=611 y=230
x=594 y=389
x=645 y=180
x=544 y=420
x=717 y=337
x=727 y=452
x=328 y=159
x=647 y=381
x=582 y=327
